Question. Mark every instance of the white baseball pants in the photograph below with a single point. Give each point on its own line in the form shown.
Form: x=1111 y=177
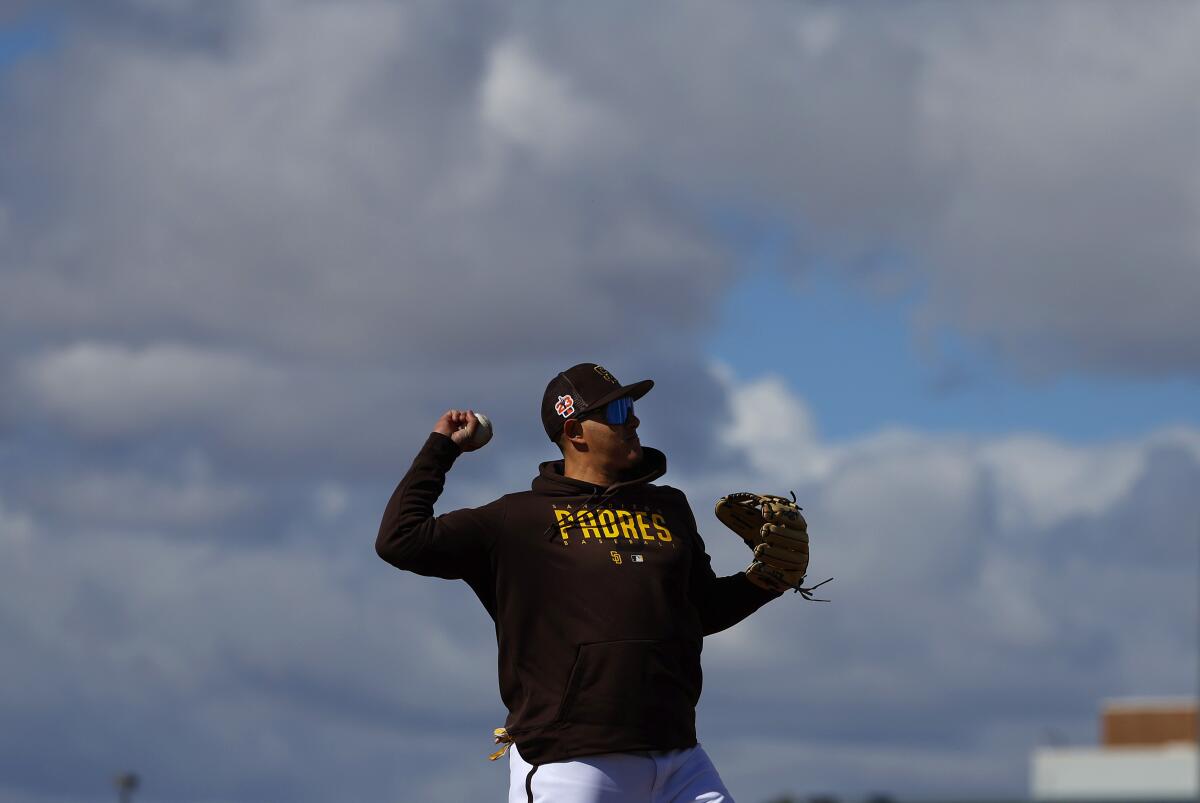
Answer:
x=661 y=776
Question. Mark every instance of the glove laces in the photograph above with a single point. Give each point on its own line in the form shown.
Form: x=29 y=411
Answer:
x=807 y=593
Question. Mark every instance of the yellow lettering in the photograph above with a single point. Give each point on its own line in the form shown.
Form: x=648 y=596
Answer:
x=628 y=529
x=616 y=556
x=587 y=524
x=644 y=527
x=660 y=524
x=563 y=515
x=608 y=523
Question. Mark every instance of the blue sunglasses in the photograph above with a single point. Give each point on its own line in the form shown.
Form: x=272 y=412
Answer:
x=616 y=411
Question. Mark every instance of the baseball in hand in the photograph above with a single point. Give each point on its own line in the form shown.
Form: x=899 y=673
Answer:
x=483 y=432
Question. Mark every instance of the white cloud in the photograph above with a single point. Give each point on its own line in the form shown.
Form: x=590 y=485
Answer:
x=531 y=106
x=1007 y=597
x=131 y=499
x=818 y=31
x=103 y=388
x=223 y=402
x=330 y=500
x=773 y=428
x=1046 y=481
x=16 y=529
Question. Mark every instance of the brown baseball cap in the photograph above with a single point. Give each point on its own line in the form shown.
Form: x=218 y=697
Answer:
x=581 y=389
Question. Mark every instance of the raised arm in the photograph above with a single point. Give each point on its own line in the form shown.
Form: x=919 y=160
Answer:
x=452 y=546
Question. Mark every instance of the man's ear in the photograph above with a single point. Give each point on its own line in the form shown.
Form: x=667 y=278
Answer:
x=573 y=433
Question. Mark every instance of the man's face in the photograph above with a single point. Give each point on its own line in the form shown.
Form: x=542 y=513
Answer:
x=614 y=446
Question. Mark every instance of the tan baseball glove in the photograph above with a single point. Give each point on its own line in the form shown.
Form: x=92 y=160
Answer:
x=775 y=529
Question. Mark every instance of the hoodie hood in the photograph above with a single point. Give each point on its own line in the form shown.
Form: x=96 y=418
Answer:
x=551 y=481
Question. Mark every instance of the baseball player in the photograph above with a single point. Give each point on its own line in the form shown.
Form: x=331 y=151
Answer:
x=601 y=593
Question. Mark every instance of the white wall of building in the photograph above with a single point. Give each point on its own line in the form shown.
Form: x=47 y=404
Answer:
x=1140 y=773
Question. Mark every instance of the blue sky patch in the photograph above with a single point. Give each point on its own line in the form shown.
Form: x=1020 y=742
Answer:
x=31 y=35
x=857 y=360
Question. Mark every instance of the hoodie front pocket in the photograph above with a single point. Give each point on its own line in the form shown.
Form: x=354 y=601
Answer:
x=631 y=682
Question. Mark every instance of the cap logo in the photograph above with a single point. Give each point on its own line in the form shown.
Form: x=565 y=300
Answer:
x=605 y=375
x=565 y=406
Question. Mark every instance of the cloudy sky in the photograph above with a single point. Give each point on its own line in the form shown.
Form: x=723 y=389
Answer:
x=933 y=266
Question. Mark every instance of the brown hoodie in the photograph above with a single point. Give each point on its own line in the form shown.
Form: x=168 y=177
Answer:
x=601 y=598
